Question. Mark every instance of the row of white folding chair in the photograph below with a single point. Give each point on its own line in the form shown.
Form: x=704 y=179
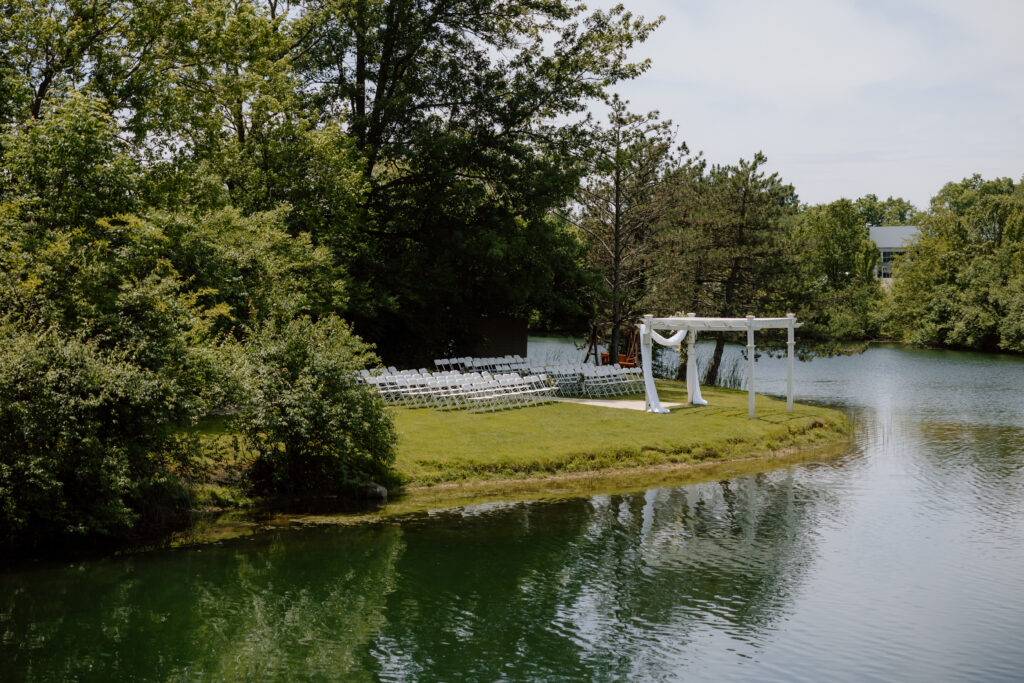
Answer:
x=509 y=391
x=482 y=391
x=495 y=364
x=431 y=389
x=450 y=392
x=415 y=389
x=399 y=386
x=566 y=376
x=576 y=379
x=452 y=363
x=630 y=380
x=452 y=389
x=602 y=381
x=461 y=363
x=474 y=391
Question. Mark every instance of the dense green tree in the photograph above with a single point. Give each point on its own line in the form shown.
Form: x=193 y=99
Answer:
x=73 y=258
x=70 y=168
x=204 y=94
x=459 y=110
x=617 y=212
x=837 y=244
x=724 y=244
x=90 y=441
x=837 y=296
x=314 y=429
x=232 y=115
x=891 y=211
x=113 y=49
x=103 y=368
x=250 y=269
x=960 y=282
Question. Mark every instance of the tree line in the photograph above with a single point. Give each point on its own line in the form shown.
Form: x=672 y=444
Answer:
x=669 y=233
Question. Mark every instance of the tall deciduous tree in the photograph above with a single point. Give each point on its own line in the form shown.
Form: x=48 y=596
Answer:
x=837 y=243
x=111 y=48
x=891 y=211
x=617 y=212
x=838 y=296
x=459 y=109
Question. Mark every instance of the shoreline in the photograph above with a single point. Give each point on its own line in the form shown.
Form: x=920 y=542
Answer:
x=824 y=436
x=239 y=523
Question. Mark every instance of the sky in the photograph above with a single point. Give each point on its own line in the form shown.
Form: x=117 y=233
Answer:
x=844 y=97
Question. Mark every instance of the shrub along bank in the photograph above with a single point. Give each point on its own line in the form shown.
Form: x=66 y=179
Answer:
x=122 y=326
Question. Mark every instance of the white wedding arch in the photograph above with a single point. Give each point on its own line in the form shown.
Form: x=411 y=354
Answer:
x=686 y=328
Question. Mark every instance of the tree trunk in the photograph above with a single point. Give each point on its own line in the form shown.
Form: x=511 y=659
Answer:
x=716 y=360
x=613 y=344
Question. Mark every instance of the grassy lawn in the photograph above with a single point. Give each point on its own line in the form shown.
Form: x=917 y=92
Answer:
x=447 y=459
x=436 y=447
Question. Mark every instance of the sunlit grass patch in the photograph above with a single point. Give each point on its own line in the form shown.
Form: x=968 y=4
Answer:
x=437 y=447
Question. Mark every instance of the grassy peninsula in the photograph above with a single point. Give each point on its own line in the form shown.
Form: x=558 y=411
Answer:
x=522 y=451
x=562 y=438
x=451 y=459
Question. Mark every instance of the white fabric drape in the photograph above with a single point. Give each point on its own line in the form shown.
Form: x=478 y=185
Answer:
x=647 y=336
x=653 y=404
x=675 y=340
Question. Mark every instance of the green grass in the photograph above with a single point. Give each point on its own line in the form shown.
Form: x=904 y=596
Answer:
x=553 y=451
x=560 y=438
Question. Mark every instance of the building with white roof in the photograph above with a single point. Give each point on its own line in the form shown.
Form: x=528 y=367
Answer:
x=891 y=241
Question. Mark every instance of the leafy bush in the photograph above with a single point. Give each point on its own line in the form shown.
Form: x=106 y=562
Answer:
x=109 y=324
x=314 y=429
x=69 y=167
x=104 y=356
x=250 y=266
x=89 y=441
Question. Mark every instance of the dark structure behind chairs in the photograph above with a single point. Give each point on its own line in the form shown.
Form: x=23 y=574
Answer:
x=500 y=337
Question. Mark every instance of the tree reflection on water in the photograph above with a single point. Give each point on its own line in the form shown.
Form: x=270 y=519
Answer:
x=610 y=586
x=295 y=605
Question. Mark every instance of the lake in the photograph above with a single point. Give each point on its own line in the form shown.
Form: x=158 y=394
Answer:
x=902 y=559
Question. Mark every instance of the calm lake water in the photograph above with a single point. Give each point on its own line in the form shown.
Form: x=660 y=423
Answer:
x=901 y=560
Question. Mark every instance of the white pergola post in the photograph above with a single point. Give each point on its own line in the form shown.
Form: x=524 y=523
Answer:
x=790 y=344
x=691 y=362
x=651 y=400
x=645 y=354
x=750 y=365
